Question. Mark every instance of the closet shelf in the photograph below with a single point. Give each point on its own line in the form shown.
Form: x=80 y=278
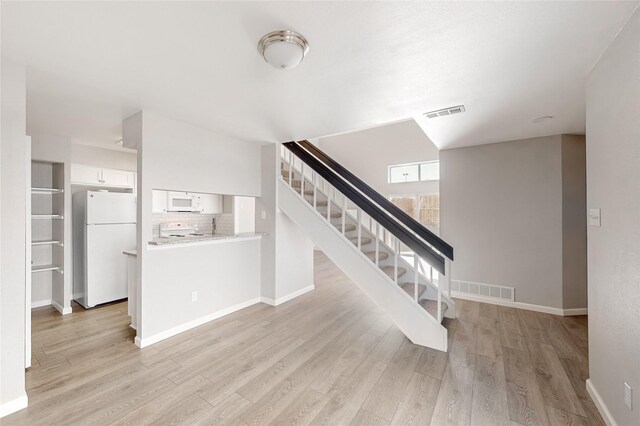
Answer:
x=46 y=216
x=43 y=268
x=46 y=191
x=46 y=242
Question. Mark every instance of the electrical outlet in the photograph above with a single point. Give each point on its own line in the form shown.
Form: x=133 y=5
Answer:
x=194 y=296
x=628 y=392
x=263 y=215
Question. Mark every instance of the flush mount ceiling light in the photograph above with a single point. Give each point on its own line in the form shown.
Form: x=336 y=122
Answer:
x=542 y=119
x=283 y=49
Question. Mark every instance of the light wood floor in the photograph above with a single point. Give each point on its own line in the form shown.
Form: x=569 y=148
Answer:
x=328 y=357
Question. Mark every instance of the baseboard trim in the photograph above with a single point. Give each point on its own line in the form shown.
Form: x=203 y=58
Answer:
x=288 y=297
x=63 y=311
x=600 y=405
x=148 y=341
x=521 y=305
x=40 y=303
x=13 y=406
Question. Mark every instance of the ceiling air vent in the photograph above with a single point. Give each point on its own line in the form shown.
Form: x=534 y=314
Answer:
x=445 y=111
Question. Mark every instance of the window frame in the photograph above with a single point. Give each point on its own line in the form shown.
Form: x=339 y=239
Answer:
x=418 y=166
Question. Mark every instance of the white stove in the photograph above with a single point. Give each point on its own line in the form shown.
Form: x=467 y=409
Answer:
x=178 y=229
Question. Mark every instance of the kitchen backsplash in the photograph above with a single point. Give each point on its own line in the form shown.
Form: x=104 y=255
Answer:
x=224 y=222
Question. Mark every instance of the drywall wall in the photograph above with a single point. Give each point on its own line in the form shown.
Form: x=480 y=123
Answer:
x=176 y=155
x=224 y=275
x=294 y=259
x=287 y=252
x=107 y=158
x=13 y=209
x=574 y=222
x=613 y=185
x=501 y=208
x=266 y=207
x=368 y=153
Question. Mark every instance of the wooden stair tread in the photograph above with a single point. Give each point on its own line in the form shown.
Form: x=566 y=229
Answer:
x=431 y=306
x=349 y=227
x=408 y=288
x=363 y=240
x=333 y=215
x=389 y=271
x=382 y=255
x=319 y=203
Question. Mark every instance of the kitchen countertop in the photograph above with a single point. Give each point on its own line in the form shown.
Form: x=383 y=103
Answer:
x=162 y=241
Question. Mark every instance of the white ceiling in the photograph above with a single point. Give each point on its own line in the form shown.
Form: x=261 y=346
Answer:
x=92 y=64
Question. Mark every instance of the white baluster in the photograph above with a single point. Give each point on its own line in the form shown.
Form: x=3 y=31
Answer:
x=359 y=215
x=377 y=243
x=431 y=274
x=302 y=180
x=439 y=304
x=396 y=245
x=415 y=276
x=290 y=167
x=329 y=204
x=315 y=190
x=448 y=266
x=344 y=213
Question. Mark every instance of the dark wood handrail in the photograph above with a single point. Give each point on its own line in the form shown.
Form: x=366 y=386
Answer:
x=418 y=246
x=381 y=200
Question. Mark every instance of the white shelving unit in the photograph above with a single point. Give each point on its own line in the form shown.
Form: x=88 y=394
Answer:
x=47 y=233
x=46 y=242
x=45 y=268
x=47 y=217
x=47 y=191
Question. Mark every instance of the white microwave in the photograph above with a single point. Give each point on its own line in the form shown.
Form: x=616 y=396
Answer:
x=183 y=202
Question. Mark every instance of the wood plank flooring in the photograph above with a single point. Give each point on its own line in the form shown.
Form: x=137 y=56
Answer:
x=328 y=357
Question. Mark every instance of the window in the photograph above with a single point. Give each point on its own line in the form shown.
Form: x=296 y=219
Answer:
x=424 y=208
x=416 y=172
x=430 y=171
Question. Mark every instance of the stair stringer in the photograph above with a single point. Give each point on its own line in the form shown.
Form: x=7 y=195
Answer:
x=420 y=327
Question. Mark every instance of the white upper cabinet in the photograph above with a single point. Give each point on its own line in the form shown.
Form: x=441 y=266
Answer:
x=210 y=203
x=96 y=176
x=86 y=175
x=119 y=178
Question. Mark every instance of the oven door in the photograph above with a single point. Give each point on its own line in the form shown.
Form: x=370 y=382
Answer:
x=182 y=202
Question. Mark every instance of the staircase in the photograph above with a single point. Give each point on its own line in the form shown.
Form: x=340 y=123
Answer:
x=363 y=234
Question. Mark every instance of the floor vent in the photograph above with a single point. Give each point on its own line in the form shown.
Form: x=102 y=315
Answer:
x=488 y=291
x=445 y=111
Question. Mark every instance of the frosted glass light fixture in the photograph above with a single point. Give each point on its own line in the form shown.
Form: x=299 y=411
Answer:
x=283 y=49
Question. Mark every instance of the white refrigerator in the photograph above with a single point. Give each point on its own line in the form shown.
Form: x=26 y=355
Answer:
x=104 y=225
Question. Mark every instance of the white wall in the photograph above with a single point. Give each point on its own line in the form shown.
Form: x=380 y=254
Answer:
x=107 y=158
x=176 y=155
x=574 y=222
x=244 y=214
x=287 y=252
x=368 y=153
x=501 y=208
x=613 y=185
x=224 y=274
x=13 y=204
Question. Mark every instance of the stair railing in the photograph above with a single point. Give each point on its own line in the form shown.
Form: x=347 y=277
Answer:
x=337 y=192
